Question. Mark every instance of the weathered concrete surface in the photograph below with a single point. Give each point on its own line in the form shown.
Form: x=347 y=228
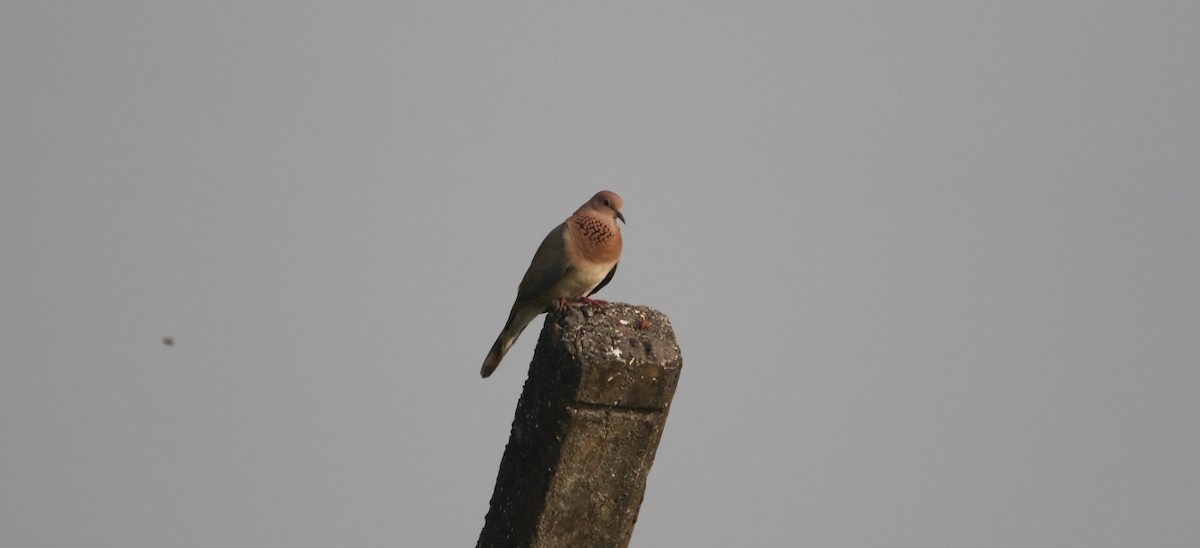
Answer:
x=586 y=430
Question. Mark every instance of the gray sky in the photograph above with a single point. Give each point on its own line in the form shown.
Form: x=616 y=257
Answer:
x=933 y=267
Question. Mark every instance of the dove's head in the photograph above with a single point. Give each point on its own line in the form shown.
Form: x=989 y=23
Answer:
x=605 y=202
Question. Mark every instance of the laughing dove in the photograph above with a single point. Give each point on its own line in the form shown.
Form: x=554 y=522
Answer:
x=575 y=260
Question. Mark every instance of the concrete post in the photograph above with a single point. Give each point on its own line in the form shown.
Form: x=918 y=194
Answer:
x=586 y=430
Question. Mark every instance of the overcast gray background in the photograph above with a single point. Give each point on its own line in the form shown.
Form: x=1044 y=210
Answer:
x=934 y=267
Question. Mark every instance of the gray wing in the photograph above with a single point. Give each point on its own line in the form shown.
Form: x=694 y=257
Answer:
x=547 y=268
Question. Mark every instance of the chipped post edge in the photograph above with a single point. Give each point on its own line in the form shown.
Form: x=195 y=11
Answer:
x=586 y=429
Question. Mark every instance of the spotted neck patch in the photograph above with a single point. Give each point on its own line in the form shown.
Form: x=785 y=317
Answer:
x=596 y=230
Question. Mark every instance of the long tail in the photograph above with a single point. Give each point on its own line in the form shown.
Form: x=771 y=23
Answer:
x=517 y=320
x=492 y=361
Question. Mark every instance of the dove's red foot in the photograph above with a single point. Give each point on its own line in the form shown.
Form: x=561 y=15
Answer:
x=594 y=302
x=562 y=303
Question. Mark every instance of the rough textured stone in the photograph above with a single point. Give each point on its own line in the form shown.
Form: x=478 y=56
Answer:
x=586 y=429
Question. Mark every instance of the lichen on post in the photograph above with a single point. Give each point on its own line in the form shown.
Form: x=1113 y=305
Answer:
x=586 y=429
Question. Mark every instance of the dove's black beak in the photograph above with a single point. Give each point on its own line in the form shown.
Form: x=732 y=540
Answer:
x=620 y=216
